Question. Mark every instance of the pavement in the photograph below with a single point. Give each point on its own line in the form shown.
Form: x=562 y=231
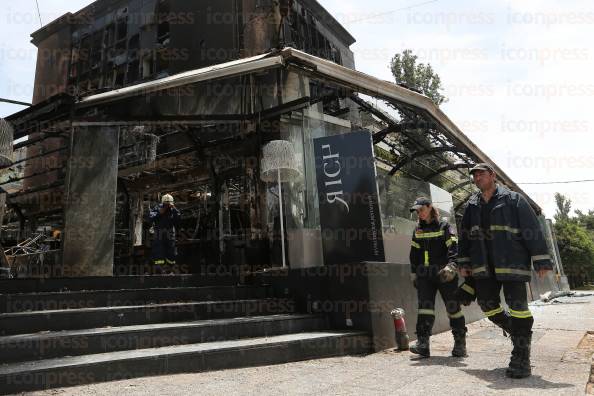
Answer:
x=561 y=365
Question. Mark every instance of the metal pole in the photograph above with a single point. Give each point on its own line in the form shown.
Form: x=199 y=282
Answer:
x=17 y=102
x=280 y=201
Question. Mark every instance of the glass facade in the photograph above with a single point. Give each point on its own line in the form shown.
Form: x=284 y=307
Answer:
x=300 y=196
x=397 y=193
x=301 y=203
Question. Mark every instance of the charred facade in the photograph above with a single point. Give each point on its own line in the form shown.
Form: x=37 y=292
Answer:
x=200 y=142
x=135 y=99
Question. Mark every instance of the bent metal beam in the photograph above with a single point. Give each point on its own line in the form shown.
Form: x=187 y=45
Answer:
x=372 y=86
x=320 y=68
x=229 y=69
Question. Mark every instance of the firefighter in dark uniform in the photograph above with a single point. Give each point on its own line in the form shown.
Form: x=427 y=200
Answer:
x=433 y=268
x=500 y=237
x=165 y=219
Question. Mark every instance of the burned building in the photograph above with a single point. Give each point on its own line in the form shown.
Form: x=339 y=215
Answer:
x=293 y=172
x=134 y=99
x=111 y=45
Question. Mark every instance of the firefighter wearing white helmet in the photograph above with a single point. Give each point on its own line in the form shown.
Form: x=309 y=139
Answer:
x=165 y=219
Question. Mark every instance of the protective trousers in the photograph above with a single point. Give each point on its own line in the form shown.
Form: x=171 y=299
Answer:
x=427 y=288
x=519 y=320
x=164 y=253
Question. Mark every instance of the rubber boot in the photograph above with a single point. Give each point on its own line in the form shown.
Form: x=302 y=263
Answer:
x=459 y=342
x=421 y=347
x=519 y=365
x=502 y=320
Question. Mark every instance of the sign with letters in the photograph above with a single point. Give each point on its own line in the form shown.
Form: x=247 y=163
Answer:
x=348 y=196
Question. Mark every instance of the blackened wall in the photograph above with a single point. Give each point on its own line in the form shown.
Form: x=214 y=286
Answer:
x=207 y=33
x=53 y=58
x=91 y=199
x=115 y=43
x=51 y=78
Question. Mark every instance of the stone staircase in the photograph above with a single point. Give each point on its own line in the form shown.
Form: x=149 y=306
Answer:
x=66 y=332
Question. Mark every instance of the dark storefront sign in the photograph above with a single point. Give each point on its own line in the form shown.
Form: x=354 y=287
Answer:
x=348 y=196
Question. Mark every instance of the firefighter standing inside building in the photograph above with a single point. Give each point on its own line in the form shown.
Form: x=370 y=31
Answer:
x=433 y=268
x=165 y=219
x=500 y=237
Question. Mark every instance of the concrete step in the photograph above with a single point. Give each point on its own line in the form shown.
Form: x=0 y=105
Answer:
x=88 y=318
x=21 y=302
x=11 y=286
x=23 y=347
x=70 y=371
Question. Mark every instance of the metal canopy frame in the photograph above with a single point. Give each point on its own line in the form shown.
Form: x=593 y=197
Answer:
x=434 y=150
x=410 y=143
x=418 y=110
x=254 y=64
x=397 y=95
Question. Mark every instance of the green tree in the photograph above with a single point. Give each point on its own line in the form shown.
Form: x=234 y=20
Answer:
x=575 y=242
x=417 y=76
x=586 y=220
x=577 y=252
x=563 y=207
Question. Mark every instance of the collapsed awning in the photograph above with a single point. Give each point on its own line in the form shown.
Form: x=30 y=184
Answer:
x=326 y=71
x=366 y=84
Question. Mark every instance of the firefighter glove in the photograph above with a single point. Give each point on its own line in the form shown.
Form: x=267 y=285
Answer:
x=447 y=273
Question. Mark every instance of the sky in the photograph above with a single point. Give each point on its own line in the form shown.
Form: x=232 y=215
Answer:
x=519 y=74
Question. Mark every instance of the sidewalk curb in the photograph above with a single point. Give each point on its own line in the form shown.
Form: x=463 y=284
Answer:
x=590 y=384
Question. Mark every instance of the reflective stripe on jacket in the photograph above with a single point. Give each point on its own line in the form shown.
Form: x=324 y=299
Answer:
x=517 y=238
x=433 y=246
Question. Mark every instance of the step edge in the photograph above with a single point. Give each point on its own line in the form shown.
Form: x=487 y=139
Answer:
x=104 y=291
x=104 y=358
x=52 y=335
x=127 y=307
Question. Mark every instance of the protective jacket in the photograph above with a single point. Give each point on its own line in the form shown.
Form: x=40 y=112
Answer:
x=166 y=223
x=433 y=246
x=163 y=245
x=515 y=234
